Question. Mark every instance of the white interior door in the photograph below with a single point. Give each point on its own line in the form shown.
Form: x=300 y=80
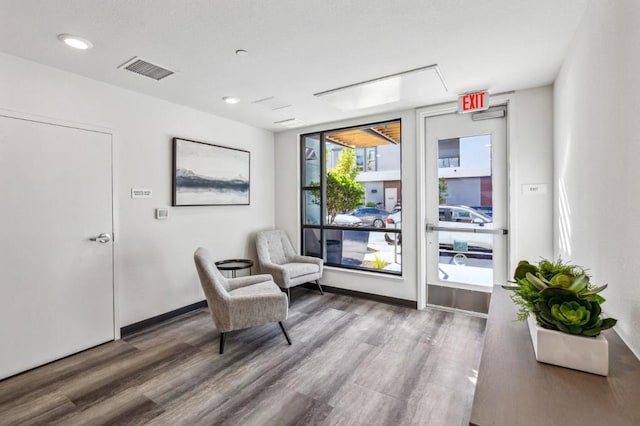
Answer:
x=56 y=285
x=466 y=202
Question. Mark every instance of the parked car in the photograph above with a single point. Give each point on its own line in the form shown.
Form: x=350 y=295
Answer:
x=452 y=217
x=371 y=216
x=464 y=217
x=462 y=214
x=394 y=221
x=345 y=220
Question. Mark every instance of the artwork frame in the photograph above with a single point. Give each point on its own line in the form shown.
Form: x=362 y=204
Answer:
x=206 y=174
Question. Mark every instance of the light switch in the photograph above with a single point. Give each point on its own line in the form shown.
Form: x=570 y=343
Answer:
x=162 y=213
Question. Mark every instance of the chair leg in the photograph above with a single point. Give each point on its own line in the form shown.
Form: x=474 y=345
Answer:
x=285 y=332
x=289 y=296
x=319 y=287
x=221 y=343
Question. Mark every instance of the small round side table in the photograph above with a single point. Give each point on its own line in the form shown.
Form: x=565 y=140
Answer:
x=234 y=265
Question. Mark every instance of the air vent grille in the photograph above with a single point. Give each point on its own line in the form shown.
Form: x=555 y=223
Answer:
x=272 y=103
x=290 y=122
x=147 y=69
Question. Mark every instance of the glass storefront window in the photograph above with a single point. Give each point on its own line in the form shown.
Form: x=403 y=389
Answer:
x=351 y=214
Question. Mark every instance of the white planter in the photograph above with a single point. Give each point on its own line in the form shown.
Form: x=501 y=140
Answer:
x=590 y=354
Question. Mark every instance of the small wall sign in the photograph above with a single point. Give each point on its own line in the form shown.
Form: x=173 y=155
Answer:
x=141 y=193
x=534 y=189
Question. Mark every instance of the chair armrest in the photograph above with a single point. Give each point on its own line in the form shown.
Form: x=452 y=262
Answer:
x=236 y=283
x=279 y=273
x=308 y=259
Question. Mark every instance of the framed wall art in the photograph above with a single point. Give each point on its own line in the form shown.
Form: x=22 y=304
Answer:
x=209 y=175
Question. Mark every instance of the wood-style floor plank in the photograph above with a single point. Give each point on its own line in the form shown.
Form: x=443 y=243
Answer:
x=357 y=405
x=352 y=362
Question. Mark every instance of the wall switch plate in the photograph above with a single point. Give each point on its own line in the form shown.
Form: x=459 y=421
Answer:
x=162 y=213
x=141 y=193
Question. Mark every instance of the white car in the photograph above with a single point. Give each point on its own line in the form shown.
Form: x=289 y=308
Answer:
x=393 y=221
x=345 y=220
x=466 y=218
x=451 y=217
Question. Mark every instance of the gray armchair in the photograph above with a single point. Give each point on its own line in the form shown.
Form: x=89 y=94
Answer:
x=277 y=257
x=237 y=303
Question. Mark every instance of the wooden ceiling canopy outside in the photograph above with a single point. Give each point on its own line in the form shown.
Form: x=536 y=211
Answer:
x=368 y=136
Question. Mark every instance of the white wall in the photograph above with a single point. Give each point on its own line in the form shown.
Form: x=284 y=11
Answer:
x=154 y=259
x=597 y=157
x=530 y=162
x=287 y=206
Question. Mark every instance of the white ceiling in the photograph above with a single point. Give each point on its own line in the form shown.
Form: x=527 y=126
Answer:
x=296 y=48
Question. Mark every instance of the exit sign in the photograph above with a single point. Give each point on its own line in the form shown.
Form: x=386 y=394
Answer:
x=476 y=101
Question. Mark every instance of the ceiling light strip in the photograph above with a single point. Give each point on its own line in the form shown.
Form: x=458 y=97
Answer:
x=281 y=107
x=263 y=100
x=386 y=77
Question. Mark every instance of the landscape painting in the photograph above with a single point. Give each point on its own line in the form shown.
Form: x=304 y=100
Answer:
x=209 y=175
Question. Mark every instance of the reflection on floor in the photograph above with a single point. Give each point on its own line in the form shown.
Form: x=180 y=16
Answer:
x=352 y=361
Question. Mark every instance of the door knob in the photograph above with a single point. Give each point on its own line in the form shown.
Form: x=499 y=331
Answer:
x=102 y=238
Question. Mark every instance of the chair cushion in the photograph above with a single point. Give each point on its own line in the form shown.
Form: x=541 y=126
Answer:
x=266 y=287
x=273 y=246
x=299 y=269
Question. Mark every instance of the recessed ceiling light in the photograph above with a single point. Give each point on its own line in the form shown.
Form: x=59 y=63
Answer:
x=75 y=41
x=231 y=99
x=241 y=52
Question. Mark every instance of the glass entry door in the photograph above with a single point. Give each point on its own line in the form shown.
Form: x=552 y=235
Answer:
x=466 y=206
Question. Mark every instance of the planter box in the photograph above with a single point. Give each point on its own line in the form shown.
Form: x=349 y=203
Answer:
x=590 y=354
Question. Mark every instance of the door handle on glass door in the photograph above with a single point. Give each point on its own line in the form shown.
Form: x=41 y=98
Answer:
x=431 y=228
x=102 y=238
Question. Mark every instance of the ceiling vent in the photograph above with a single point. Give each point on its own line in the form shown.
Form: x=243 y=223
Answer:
x=145 y=68
x=290 y=123
x=272 y=103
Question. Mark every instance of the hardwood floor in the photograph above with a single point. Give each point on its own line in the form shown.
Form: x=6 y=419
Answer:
x=352 y=362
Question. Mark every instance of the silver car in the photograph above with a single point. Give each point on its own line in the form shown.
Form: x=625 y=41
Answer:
x=371 y=216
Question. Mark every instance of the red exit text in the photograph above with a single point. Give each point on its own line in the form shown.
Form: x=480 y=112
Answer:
x=477 y=101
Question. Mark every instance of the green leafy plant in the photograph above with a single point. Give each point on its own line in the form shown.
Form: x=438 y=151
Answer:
x=443 y=189
x=563 y=310
x=561 y=297
x=343 y=193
